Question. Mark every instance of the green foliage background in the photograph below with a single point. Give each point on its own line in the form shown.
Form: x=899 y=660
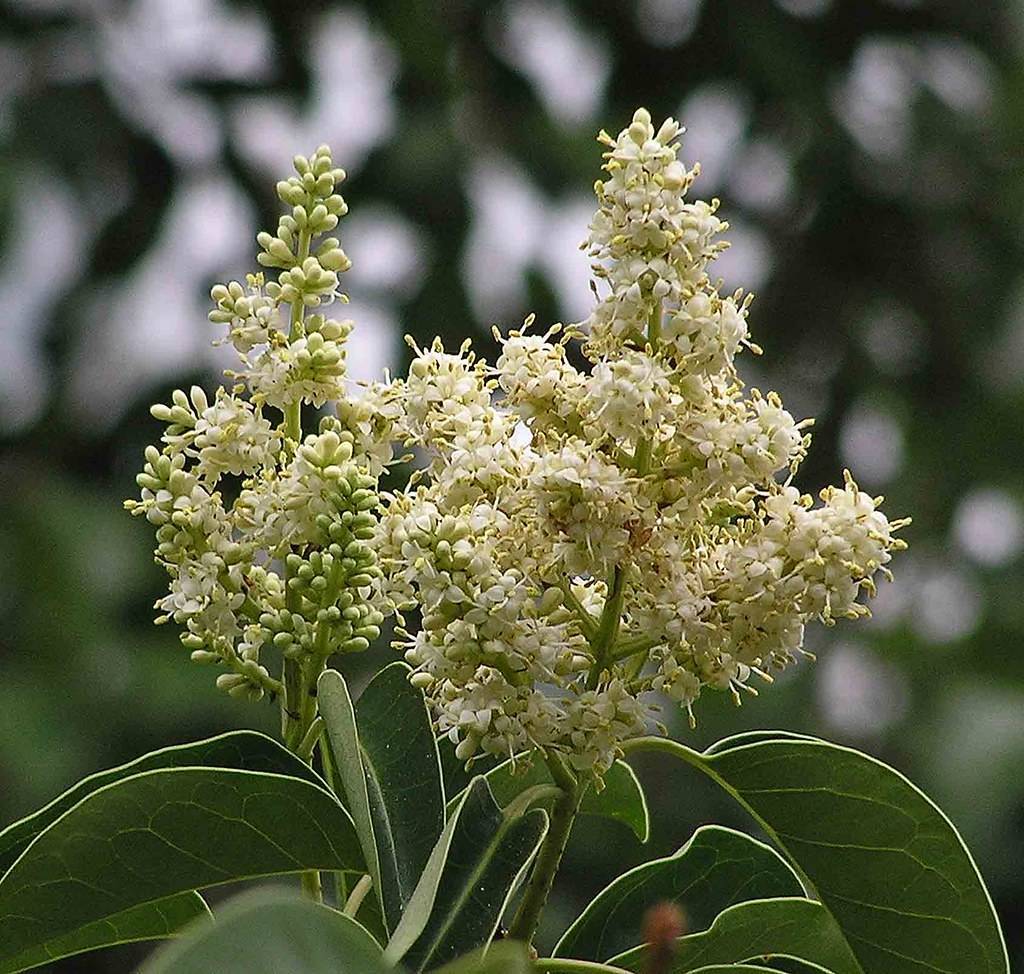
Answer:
x=877 y=185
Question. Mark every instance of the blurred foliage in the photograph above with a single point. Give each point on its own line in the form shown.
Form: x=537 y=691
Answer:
x=870 y=158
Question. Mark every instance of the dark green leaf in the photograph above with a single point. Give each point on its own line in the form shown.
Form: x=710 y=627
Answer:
x=776 y=964
x=272 y=933
x=151 y=921
x=421 y=903
x=790 y=964
x=163 y=832
x=479 y=859
x=622 y=798
x=453 y=770
x=754 y=737
x=735 y=969
x=582 y=966
x=504 y=957
x=245 y=750
x=390 y=771
x=793 y=965
x=752 y=930
x=885 y=861
x=715 y=869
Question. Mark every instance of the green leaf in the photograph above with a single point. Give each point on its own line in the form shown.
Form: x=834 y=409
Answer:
x=622 y=798
x=776 y=964
x=151 y=921
x=504 y=957
x=272 y=933
x=754 y=737
x=163 y=832
x=559 y=964
x=794 y=966
x=478 y=861
x=246 y=750
x=750 y=931
x=389 y=769
x=735 y=969
x=453 y=770
x=886 y=862
x=715 y=869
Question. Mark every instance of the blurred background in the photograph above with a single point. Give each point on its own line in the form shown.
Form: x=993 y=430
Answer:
x=869 y=158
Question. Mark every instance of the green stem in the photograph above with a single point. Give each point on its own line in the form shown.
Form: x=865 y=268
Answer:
x=644 y=449
x=603 y=641
x=608 y=628
x=274 y=687
x=630 y=647
x=538 y=793
x=309 y=741
x=588 y=624
x=563 y=814
x=293 y=411
x=301 y=742
x=312 y=887
x=356 y=897
x=291 y=704
x=299 y=723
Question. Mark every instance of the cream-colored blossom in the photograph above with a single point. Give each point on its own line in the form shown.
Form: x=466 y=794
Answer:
x=590 y=529
x=606 y=513
x=286 y=568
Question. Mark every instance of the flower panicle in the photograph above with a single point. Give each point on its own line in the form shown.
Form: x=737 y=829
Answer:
x=267 y=532
x=606 y=511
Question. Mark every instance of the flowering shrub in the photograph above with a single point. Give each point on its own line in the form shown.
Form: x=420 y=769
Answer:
x=602 y=519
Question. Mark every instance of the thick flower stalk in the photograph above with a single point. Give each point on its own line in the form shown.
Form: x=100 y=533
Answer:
x=583 y=535
x=266 y=532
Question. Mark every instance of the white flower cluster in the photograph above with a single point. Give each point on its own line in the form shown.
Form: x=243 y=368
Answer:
x=626 y=526
x=267 y=534
x=594 y=522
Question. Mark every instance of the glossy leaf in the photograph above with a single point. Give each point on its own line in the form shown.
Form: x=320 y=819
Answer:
x=776 y=964
x=754 y=737
x=622 y=798
x=715 y=869
x=750 y=931
x=272 y=933
x=882 y=857
x=151 y=921
x=794 y=967
x=388 y=764
x=479 y=859
x=163 y=832
x=735 y=969
x=504 y=957
x=453 y=769
x=245 y=750
x=560 y=964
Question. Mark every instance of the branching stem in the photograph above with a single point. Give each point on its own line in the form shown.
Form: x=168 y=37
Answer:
x=603 y=643
x=563 y=814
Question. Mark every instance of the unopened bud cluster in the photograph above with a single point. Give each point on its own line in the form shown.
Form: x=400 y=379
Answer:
x=267 y=534
x=584 y=536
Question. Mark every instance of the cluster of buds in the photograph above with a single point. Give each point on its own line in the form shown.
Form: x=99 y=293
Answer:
x=268 y=534
x=579 y=538
x=599 y=533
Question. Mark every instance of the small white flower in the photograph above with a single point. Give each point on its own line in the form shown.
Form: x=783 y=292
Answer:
x=614 y=524
x=288 y=562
